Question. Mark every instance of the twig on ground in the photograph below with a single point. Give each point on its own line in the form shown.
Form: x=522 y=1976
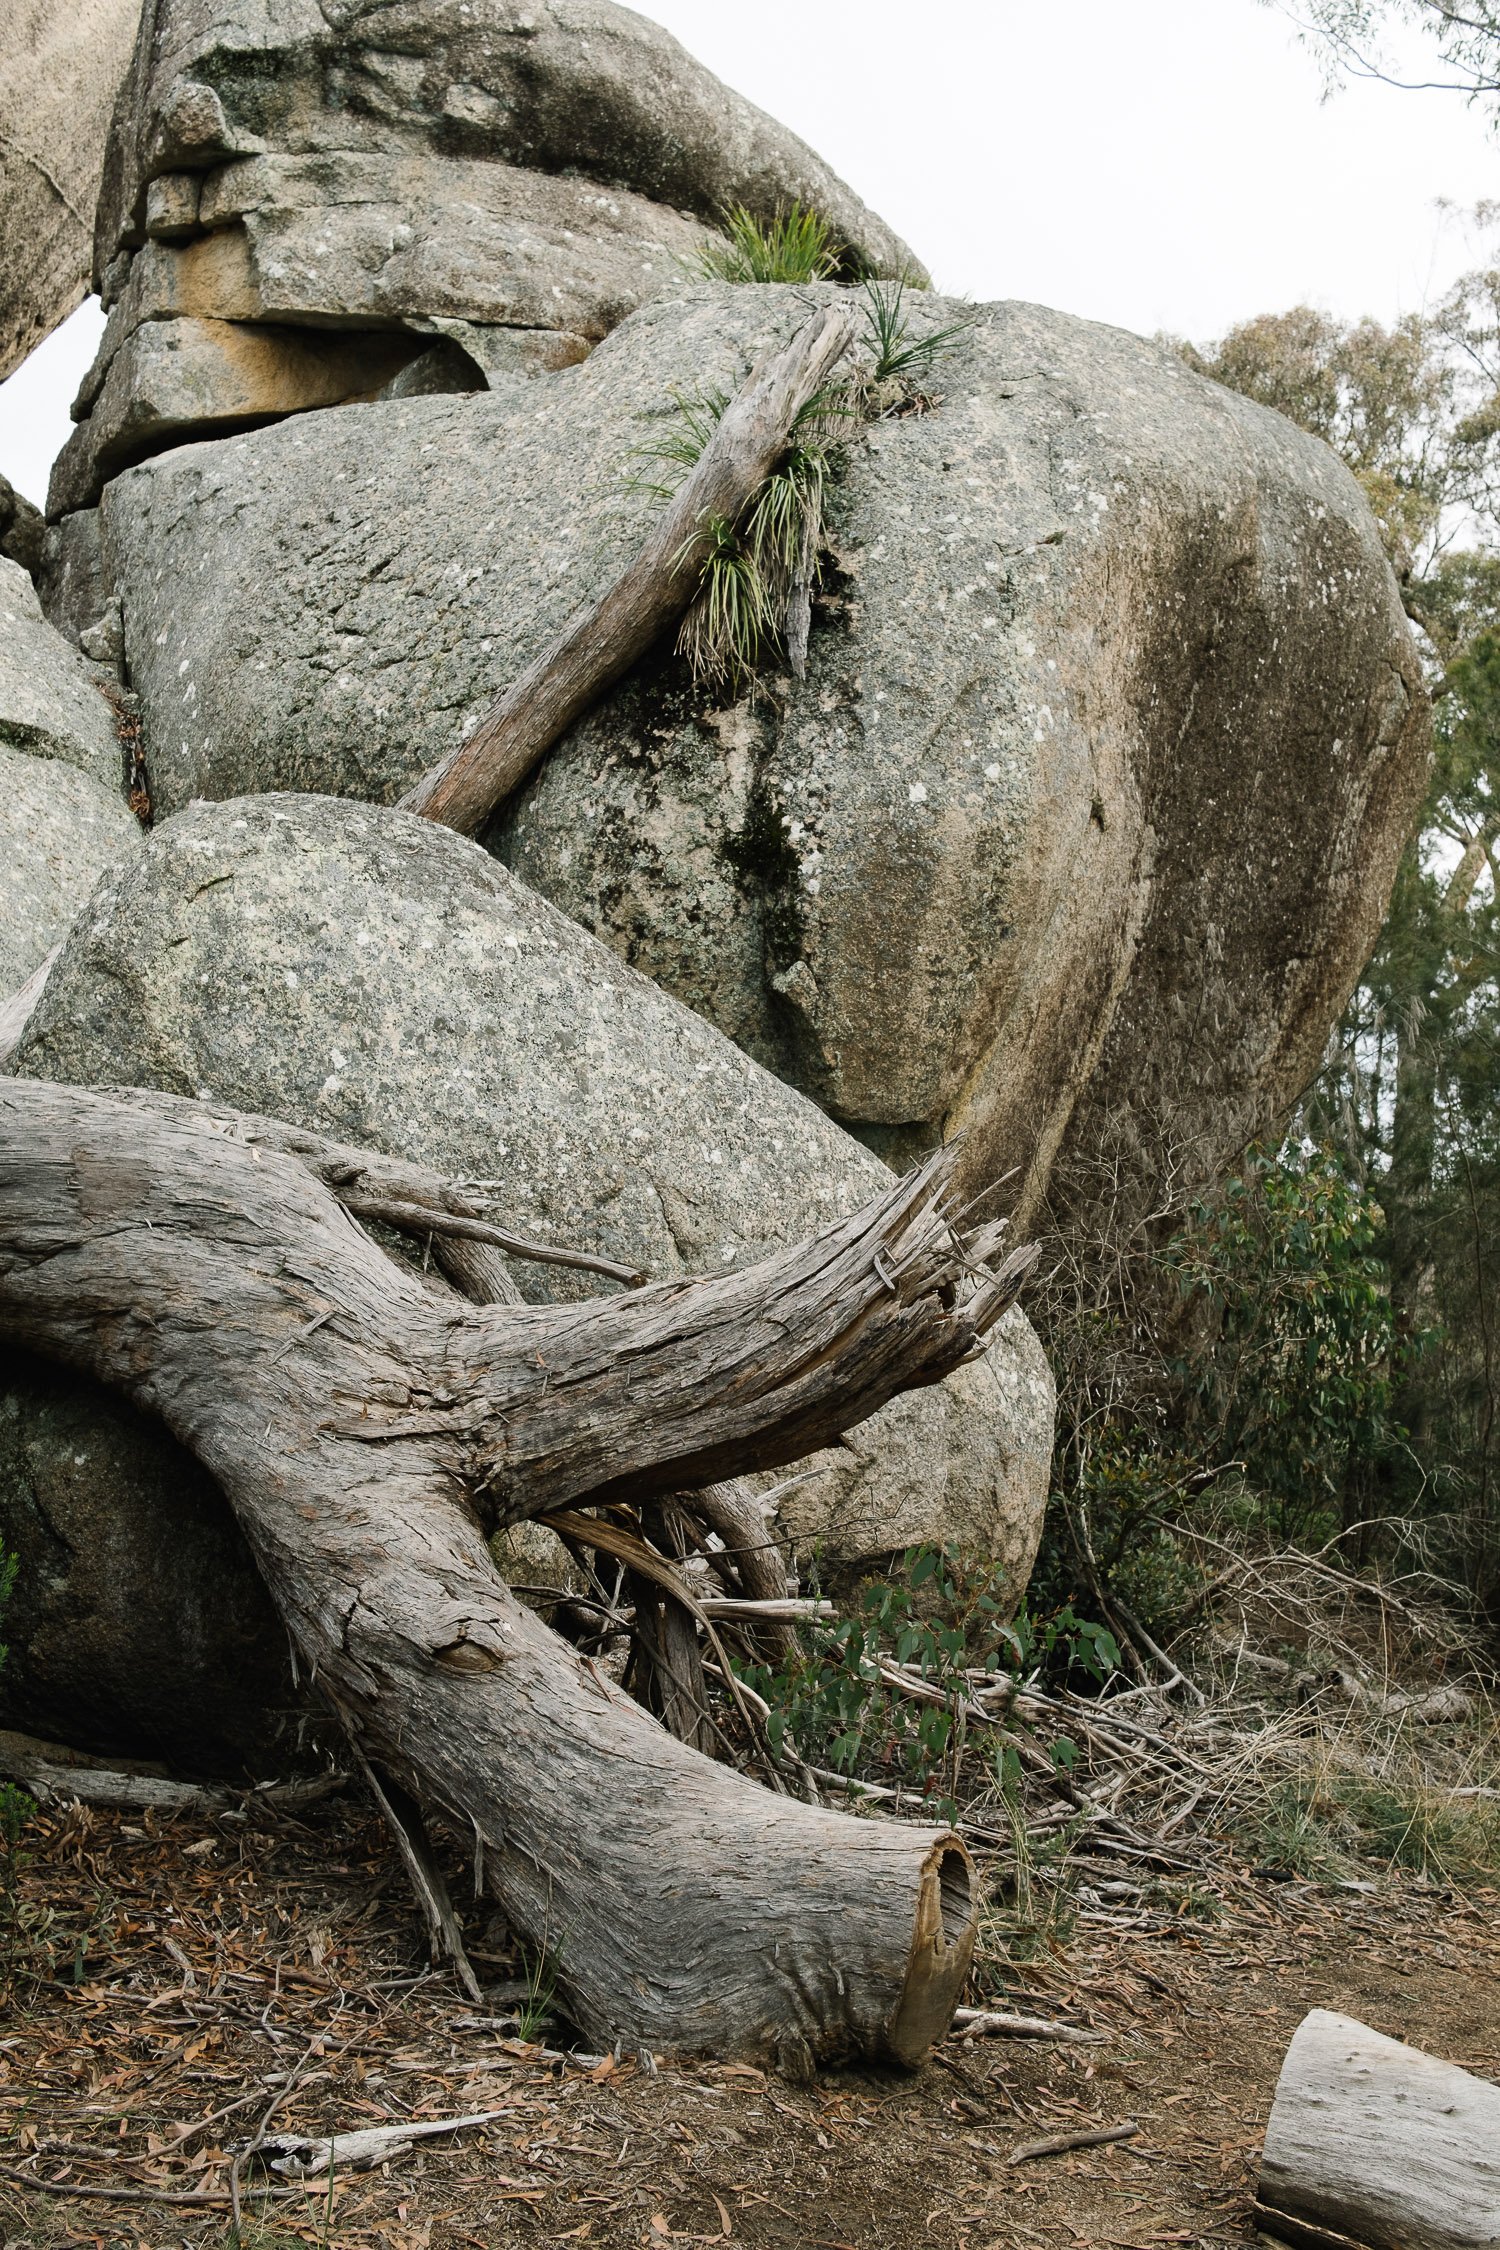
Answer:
x=299 y=2156
x=1058 y=2144
x=993 y=2023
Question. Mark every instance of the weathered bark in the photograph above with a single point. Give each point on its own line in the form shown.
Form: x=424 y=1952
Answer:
x=733 y=1512
x=667 y=1666
x=1372 y=2142
x=602 y=640
x=370 y=1433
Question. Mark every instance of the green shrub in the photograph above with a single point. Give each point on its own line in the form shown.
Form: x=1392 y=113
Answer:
x=1236 y=1376
x=1325 y=1822
x=1298 y=1382
x=943 y=1621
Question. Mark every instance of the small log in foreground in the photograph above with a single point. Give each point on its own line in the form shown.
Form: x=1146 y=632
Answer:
x=602 y=640
x=1375 y=2143
x=370 y=1433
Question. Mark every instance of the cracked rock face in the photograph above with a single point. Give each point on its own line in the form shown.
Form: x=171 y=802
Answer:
x=60 y=68
x=378 y=978
x=22 y=528
x=63 y=817
x=1080 y=826
x=297 y=200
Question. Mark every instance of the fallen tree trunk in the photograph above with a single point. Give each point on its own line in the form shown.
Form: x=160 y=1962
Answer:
x=1375 y=2143
x=370 y=1434
x=602 y=640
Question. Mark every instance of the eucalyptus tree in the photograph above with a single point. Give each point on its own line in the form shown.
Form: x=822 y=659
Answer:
x=1411 y=1088
x=1466 y=34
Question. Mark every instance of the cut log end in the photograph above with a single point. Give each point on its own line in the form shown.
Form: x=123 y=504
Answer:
x=942 y=1951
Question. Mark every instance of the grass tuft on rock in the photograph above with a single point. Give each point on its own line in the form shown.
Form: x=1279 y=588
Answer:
x=794 y=246
x=760 y=573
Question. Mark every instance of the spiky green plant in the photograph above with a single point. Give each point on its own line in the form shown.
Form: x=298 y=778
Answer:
x=535 y=2014
x=679 y=442
x=756 y=569
x=731 y=620
x=796 y=245
x=898 y=357
x=784 y=529
x=759 y=573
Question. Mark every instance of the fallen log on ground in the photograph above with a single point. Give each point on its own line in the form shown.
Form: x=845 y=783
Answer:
x=371 y=1431
x=603 y=639
x=58 y=1775
x=1375 y=2143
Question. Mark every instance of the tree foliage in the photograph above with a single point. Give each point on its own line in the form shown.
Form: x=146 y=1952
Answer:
x=1240 y=1377
x=1410 y=1094
x=1466 y=34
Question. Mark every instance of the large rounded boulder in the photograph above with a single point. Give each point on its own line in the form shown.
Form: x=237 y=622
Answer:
x=138 y=1623
x=1081 y=823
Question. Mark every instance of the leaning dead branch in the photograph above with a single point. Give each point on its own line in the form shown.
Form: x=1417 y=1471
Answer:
x=370 y=1435
x=601 y=642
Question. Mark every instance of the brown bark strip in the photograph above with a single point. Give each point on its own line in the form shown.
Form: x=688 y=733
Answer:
x=216 y=1280
x=602 y=640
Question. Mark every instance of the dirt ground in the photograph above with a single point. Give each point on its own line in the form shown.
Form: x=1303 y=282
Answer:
x=180 y=1984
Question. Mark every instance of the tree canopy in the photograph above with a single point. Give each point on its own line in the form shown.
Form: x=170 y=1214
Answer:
x=1467 y=34
x=1332 y=1367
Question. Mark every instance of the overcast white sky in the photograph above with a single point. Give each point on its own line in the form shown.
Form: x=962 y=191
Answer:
x=1160 y=164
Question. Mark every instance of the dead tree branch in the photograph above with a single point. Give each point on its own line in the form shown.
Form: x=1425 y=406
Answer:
x=370 y=1434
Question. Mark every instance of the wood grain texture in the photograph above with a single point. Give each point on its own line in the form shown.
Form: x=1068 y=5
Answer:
x=605 y=637
x=1377 y=2143
x=370 y=1433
